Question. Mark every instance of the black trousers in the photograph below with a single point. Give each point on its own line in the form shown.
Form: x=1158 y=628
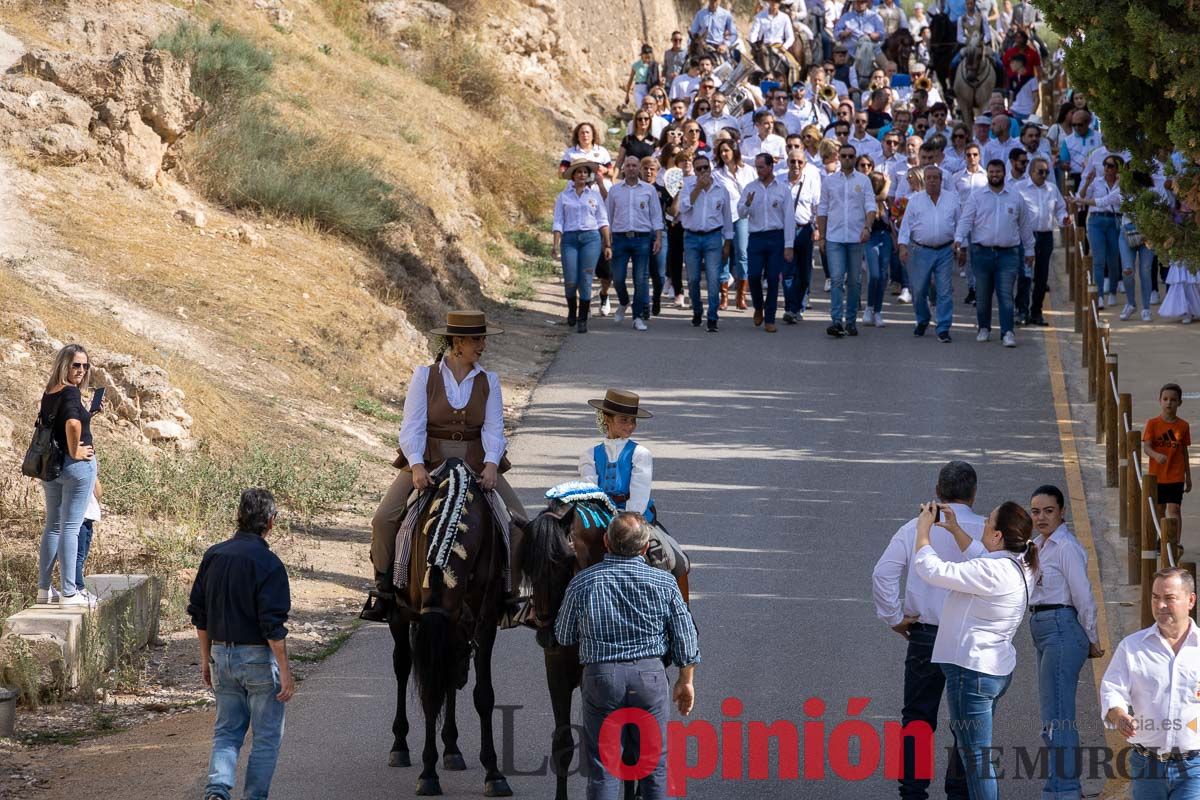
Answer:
x=924 y=683
x=675 y=256
x=1043 y=249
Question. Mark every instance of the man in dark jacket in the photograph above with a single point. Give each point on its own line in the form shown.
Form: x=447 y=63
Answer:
x=239 y=605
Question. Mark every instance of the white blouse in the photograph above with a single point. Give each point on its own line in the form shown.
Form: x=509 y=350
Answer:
x=1063 y=578
x=416 y=412
x=579 y=212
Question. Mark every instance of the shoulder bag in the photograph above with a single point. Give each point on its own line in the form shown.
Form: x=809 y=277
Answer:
x=44 y=458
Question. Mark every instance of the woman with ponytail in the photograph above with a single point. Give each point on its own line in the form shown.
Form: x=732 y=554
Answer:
x=986 y=602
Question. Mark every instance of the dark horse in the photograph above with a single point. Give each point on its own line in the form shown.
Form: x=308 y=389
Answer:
x=448 y=609
x=562 y=540
x=943 y=44
x=898 y=48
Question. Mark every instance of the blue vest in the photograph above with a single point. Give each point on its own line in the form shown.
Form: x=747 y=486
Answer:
x=614 y=477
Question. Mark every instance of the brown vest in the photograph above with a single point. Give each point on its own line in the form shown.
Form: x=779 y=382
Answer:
x=444 y=422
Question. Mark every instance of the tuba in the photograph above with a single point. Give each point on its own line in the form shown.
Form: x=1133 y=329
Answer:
x=923 y=82
x=827 y=93
x=733 y=82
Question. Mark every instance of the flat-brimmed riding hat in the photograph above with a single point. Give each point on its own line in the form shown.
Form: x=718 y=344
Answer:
x=580 y=161
x=465 y=323
x=619 y=402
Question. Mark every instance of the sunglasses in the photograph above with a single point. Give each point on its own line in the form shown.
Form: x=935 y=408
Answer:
x=847 y=157
x=1079 y=124
x=84 y=367
x=795 y=163
x=1022 y=161
x=794 y=146
x=643 y=119
x=959 y=136
x=703 y=169
x=1110 y=165
x=1039 y=171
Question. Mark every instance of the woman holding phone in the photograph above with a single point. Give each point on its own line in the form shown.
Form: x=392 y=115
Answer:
x=67 y=495
x=986 y=602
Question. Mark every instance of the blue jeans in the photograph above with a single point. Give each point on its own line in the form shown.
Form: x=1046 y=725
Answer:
x=899 y=270
x=766 y=257
x=66 y=500
x=995 y=269
x=245 y=680
x=1062 y=649
x=925 y=266
x=879 y=265
x=737 y=265
x=580 y=254
x=607 y=687
x=1174 y=780
x=844 y=261
x=636 y=248
x=797 y=276
x=703 y=249
x=972 y=697
x=1136 y=263
x=1104 y=233
x=85 y=544
x=924 y=683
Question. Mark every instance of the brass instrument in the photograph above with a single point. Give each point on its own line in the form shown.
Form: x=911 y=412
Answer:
x=827 y=93
x=733 y=80
x=923 y=82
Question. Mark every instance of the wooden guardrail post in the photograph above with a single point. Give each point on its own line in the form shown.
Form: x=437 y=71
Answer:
x=1089 y=341
x=1068 y=237
x=1133 y=506
x=1149 y=544
x=1080 y=293
x=1170 y=542
x=1112 y=424
x=1103 y=392
x=1124 y=404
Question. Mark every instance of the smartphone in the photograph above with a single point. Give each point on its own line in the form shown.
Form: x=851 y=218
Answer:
x=97 y=399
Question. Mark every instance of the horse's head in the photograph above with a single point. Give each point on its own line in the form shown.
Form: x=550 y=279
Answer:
x=972 y=58
x=864 y=57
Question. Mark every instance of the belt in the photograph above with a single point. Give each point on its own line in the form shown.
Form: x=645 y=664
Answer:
x=923 y=626
x=1172 y=755
x=996 y=247
x=1049 y=607
x=453 y=436
x=702 y=233
x=934 y=246
x=238 y=644
x=632 y=234
x=1104 y=213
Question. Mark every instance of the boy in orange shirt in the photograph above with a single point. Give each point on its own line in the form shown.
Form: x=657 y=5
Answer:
x=1165 y=441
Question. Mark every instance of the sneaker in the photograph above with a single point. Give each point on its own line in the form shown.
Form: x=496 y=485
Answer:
x=1186 y=319
x=605 y=307
x=1038 y=320
x=836 y=329
x=1145 y=315
x=712 y=326
x=970 y=298
x=852 y=329
x=639 y=324
x=1112 y=299
x=1154 y=298
x=828 y=285
x=962 y=273
x=905 y=296
x=655 y=307
x=619 y=317
x=789 y=318
x=679 y=301
x=878 y=319
x=1127 y=311
x=50 y=595
x=983 y=335
x=77 y=600
x=668 y=288
x=1010 y=340
x=1106 y=287
x=896 y=287
x=1099 y=301
x=696 y=316
x=944 y=337
x=868 y=316
x=920 y=329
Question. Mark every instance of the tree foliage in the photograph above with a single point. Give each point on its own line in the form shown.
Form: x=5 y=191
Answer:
x=1139 y=63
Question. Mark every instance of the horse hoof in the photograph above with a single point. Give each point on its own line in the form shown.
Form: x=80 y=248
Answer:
x=399 y=758
x=428 y=787
x=497 y=788
x=454 y=762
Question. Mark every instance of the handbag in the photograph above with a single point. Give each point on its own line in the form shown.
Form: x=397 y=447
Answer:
x=1132 y=237
x=44 y=458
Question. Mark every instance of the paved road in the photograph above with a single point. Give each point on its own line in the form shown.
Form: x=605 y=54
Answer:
x=785 y=463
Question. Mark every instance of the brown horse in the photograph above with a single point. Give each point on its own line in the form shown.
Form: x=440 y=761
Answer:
x=453 y=591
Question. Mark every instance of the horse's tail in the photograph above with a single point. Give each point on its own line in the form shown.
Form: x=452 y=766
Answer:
x=432 y=651
x=545 y=549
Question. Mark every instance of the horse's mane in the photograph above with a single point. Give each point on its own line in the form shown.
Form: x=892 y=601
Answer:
x=445 y=520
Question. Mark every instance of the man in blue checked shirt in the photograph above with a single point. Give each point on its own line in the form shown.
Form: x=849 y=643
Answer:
x=625 y=616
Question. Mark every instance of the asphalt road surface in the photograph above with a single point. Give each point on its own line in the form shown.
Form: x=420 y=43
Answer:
x=784 y=463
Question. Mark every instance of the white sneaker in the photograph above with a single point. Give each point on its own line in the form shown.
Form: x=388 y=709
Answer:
x=1127 y=311
x=668 y=288
x=50 y=595
x=619 y=317
x=1010 y=340
x=828 y=285
x=1112 y=299
x=679 y=300
x=1154 y=298
x=878 y=319
x=1145 y=315
x=1106 y=287
x=905 y=296
x=78 y=600
x=1099 y=301
x=983 y=335
x=639 y=324
x=1187 y=319
x=868 y=317
x=962 y=273
x=606 y=307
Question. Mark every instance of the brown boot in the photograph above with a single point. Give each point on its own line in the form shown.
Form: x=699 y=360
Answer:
x=724 y=304
x=743 y=287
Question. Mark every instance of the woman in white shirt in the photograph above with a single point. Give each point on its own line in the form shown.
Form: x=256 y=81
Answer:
x=983 y=609
x=1103 y=199
x=581 y=235
x=585 y=143
x=1063 y=624
x=735 y=176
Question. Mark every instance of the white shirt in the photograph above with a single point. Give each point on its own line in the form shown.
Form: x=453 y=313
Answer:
x=920 y=599
x=966 y=182
x=1023 y=102
x=579 y=212
x=905 y=190
x=770 y=209
x=1046 y=205
x=793 y=122
x=997 y=149
x=996 y=219
x=1108 y=198
x=657 y=125
x=597 y=154
x=1078 y=148
x=846 y=200
x=634 y=208
x=809 y=113
x=954 y=161
x=751 y=146
x=983 y=609
x=92 y=511
x=713 y=125
x=1147 y=675
x=866 y=146
x=806 y=195
x=639 y=479
x=711 y=210
x=1063 y=578
x=735 y=183
x=772 y=29
x=897 y=171
x=416 y=412
x=927 y=223
x=684 y=86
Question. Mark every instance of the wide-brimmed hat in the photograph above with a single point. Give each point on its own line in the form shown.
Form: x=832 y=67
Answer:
x=620 y=402
x=983 y=119
x=465 y=323
x=580 y=161
x=1034 y=119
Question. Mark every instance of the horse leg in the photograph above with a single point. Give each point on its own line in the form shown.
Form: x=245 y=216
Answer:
x=401 y=666
x=452 y=758
x=428 y=783
x=494 y=782
x=562 y=676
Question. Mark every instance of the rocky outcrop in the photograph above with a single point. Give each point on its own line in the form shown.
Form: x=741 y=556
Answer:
x=393 y=17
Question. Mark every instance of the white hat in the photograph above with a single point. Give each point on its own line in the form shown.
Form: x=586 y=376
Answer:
x=1034 y=119
x=918 y=5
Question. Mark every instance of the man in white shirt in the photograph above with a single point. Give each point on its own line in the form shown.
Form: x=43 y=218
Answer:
x=763 y=140
x=844 y=219
x=999 y=146
x=767 y=204
x=1032 y=141
x=927 y=233
x=864 y=143
x=707 y=219
x=716 y=120
x=916 y=614
x=685 y=84
x=635 y=224
x=1048 y=209
x=780 y=109
x=715 y=24
x=1149 y=692
x=771 y=27
x=804 y=181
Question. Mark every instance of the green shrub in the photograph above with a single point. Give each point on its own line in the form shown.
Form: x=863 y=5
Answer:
x=460 y=68
x=226 y=66
x=530 y=244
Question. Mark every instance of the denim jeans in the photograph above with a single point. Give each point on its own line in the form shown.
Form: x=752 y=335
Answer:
x=1024 y=282
x=1043 y=250
x=797 y=275
x=766 y=258
x=85 y=544
x=926 y=266
x=634 y=248
x=899 y=272
x=844 y=262
x=1062 y=649
x=879 y=265
x=66 y=500
x=245 y=680
x=1104 y=233
x=1136 y=264
x=580 y=253
x=972 y=697
x=924 y=683
x=658 y=266
x=1174 y=780
x=737 y=265
x=627 y=684
x=703 y=249
x=995 y=269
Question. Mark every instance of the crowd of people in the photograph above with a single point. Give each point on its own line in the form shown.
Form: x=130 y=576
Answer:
x=734 y=178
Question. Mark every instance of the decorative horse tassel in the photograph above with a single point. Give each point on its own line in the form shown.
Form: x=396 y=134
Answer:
x=449 y=579
x=459 y=551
